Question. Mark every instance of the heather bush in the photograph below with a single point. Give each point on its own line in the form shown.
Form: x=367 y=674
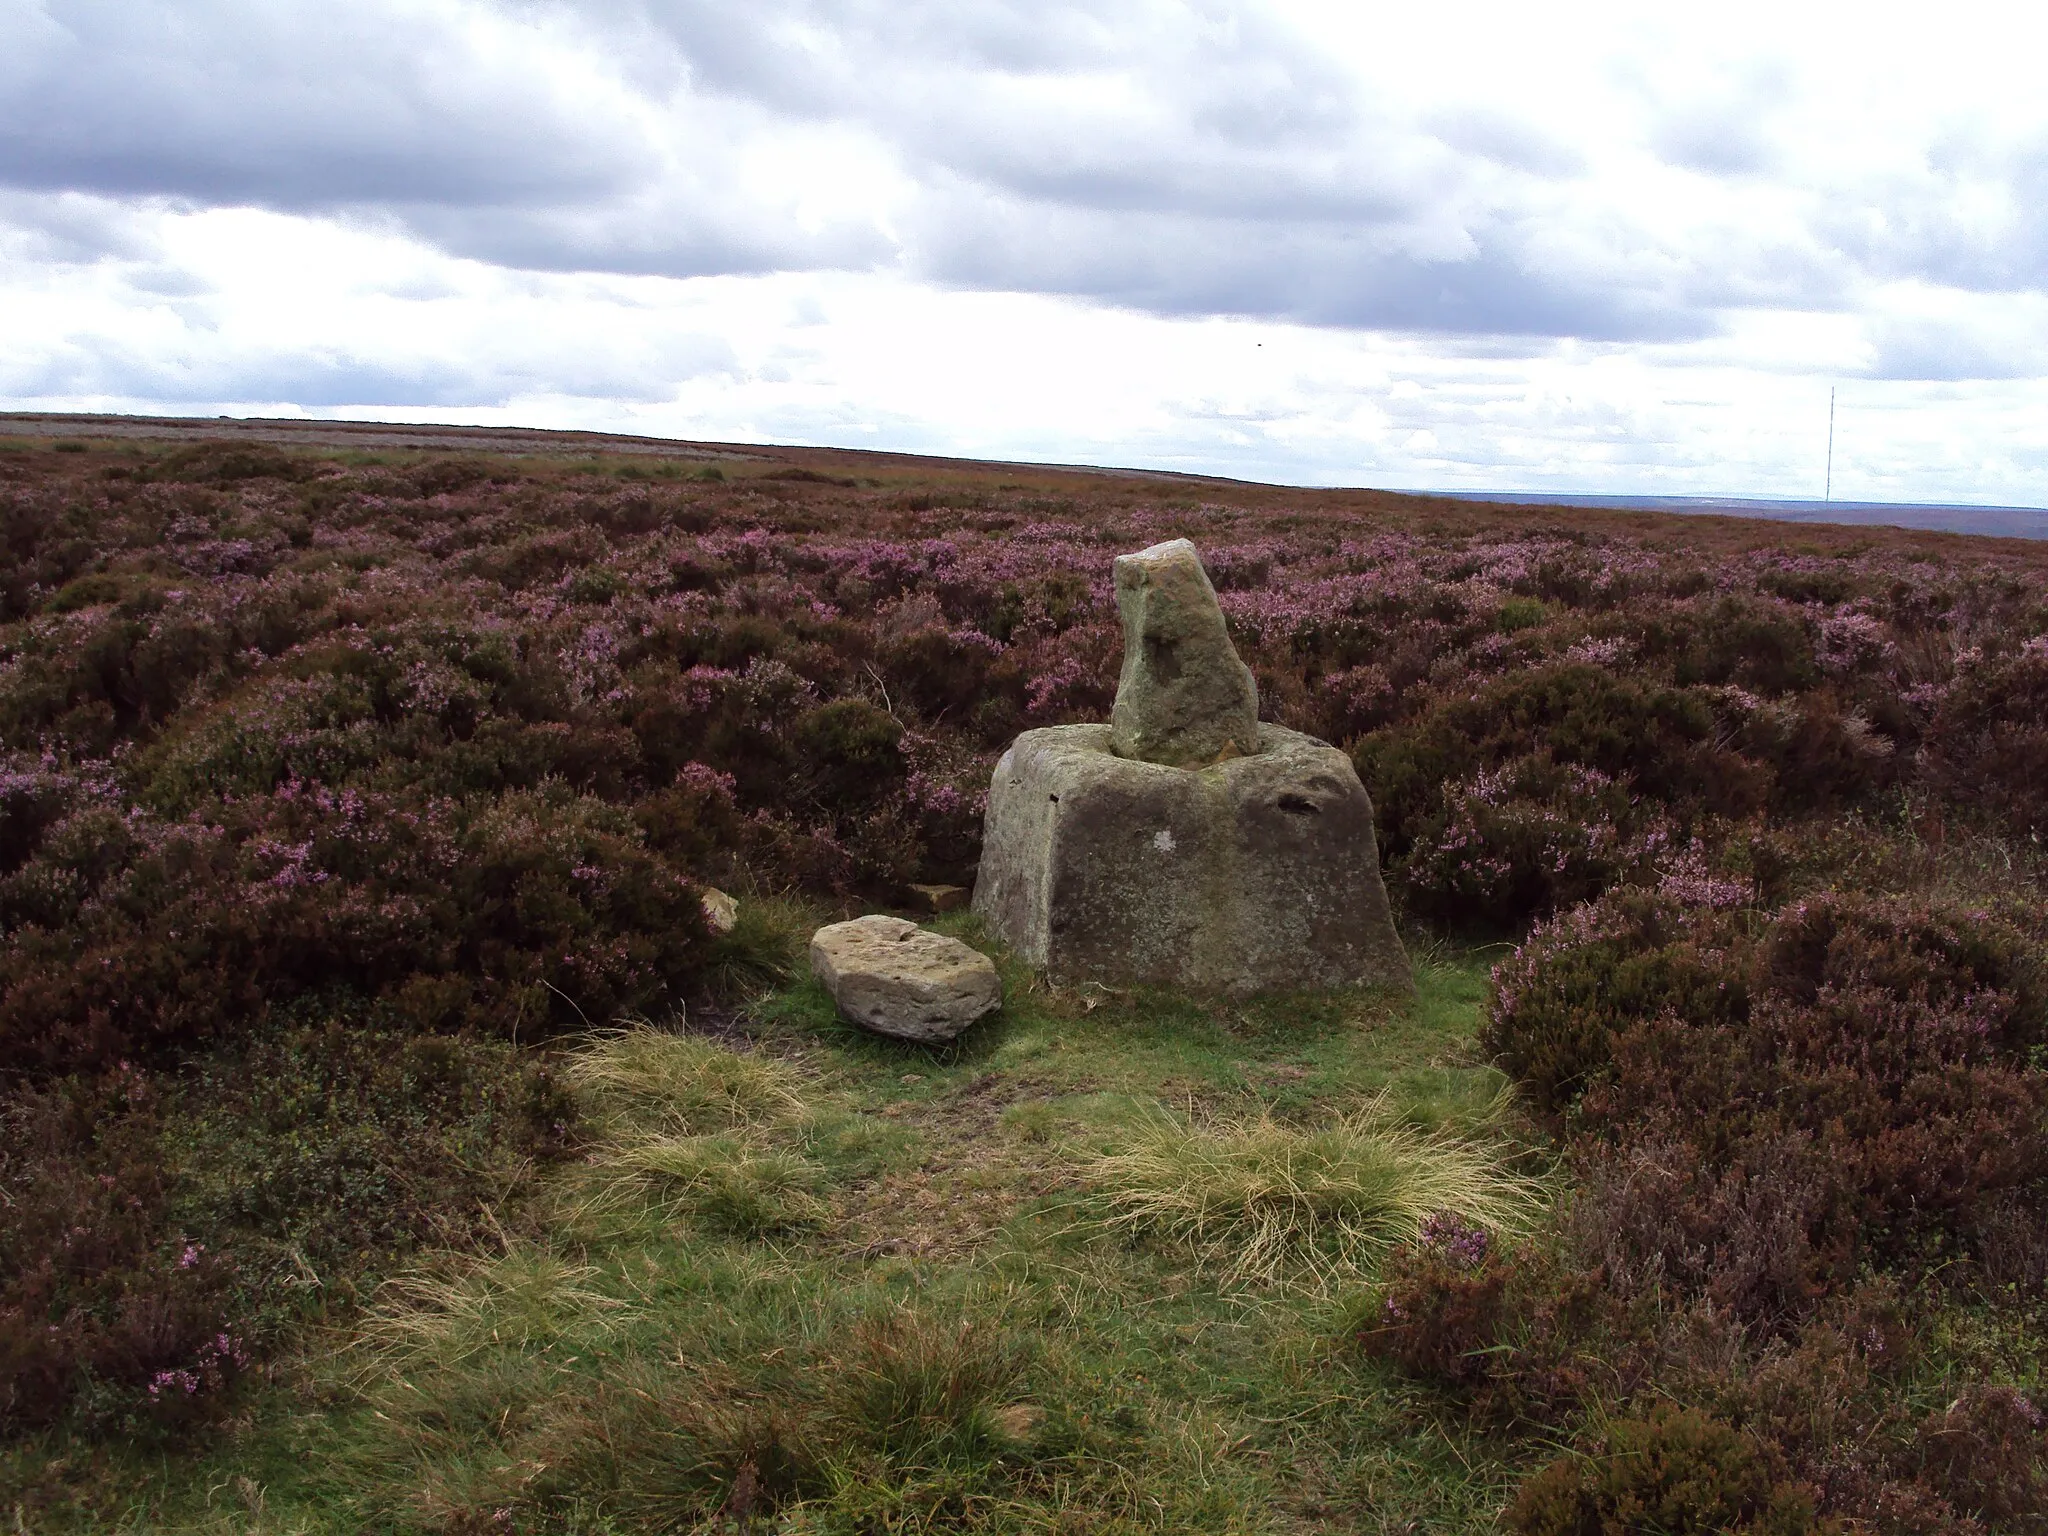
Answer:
x=1750 y=641
x=230 y=618
x=1507 y=1328
x=1986 y=736
x=325 y=781
x=1677 y=1472
x=694 y=819
x=1987 y=1454
x=101 y=1296
x=1684 y=1414
x=535 y=910
x=158 y=1232
x=960 y=673
x=1763 y=1105
x=1547 y=787
x=1531 y=836
x=849 y=752
x=1582 y=978
x=1441 y=1305
x=226 y=464
x=1770 y=1113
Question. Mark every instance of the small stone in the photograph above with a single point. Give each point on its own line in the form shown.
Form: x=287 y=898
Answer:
x=936 y=899
x=1019 y=1422
x=897 y=979
x=721 y=912
x=1184 y=698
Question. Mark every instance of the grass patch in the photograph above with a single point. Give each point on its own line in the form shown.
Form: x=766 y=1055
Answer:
x=646 y=1080
x=719 y=1180
x=1282 y=1203
x=814 y=1281
x=765 y=948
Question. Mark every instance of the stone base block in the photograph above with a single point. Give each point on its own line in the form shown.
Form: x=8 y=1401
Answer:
x=1258 y=874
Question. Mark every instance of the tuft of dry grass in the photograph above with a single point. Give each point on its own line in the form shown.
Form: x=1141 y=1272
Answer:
x=730 y=1187
x=1283 y=1204
x=689 y=1129
x=650 y=1082
x=924 y=1389
x=525 y=1298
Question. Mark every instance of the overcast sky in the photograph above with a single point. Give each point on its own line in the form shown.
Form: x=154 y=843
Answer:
x=1511 y=247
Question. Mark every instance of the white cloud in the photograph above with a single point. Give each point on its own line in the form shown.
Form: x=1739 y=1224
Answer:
x=1494 y=237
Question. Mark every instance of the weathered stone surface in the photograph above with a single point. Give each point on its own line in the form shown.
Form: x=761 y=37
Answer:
x=1184 y=697
x=1257 y=874
x=939 y=898
x=895 y=978
x=721 y=912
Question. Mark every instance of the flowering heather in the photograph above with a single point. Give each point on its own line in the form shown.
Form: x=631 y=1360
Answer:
x=198 y=646
x=321 y=778
x=469 y=731
x=1454 y=1239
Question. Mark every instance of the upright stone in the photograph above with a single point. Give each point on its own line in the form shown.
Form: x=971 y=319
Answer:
x=1184 y=844
x=1185 y=698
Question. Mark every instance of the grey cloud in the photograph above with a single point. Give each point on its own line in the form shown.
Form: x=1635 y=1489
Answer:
x=1313 y=272
x=826 y=58
x=1722 y=141
x=1732 y=131
x=322 y=384
x=1938 y=221
x=100 y=369
x=1502 y=139
x=1187 y=160
x=1207 y=113
x=63 y=228
x=98 y=366
x=1180 y=158
x=691 y=230
x=166 y=280
x=1232 y=168
x=292 y=107
x=1927 y=349
x=1239 y=116
x=1763 y=269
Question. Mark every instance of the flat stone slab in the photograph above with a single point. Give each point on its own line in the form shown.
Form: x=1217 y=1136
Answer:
x=1257 y=874
x=895 y=978
x=940 y=898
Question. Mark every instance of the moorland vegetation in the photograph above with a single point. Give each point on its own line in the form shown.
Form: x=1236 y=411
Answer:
x=390 y=1143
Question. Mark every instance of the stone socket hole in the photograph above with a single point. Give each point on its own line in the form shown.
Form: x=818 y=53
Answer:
x=1055 y=799
x=1164 y=658
x=1299 y=805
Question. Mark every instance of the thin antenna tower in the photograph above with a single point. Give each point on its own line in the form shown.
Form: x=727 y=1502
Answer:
x=1829 y=493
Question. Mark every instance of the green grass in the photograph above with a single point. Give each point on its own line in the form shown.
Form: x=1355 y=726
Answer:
x=1277 y=1204
x=1079 y=1272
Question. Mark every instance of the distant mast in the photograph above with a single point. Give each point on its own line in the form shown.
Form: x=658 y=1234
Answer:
x=1828 y=494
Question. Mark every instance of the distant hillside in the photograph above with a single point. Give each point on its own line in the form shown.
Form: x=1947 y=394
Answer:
x=1935 y=517
x=376 y=436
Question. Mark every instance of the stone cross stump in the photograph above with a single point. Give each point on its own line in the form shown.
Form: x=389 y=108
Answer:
x=1184 y=843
